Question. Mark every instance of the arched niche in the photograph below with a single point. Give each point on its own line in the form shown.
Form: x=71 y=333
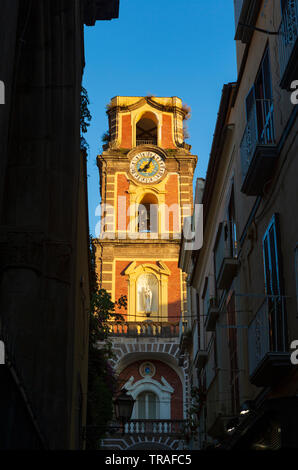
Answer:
x=147 y=294
x=147 y=214
x=161 y=273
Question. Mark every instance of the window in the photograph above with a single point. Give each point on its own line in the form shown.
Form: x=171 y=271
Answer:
x=272 y=274
x=288 y=35
x=147 y=406
x=259 y=104
x=271 y=258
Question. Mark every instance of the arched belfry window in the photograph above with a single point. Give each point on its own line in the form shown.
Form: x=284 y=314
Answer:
x=146 y=130
x=147 y=406
x=148 y=214
x=147 y=294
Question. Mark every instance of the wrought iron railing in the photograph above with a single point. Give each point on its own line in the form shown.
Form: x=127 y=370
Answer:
x=288 y=33
x=259 y=131
x=155 y=426
x=146 y=141
x=267 y=331
x=145 y=329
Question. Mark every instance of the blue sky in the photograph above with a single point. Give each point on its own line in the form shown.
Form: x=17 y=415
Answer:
x=164 y=48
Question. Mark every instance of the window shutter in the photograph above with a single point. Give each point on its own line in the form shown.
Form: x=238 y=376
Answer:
x=271 y=255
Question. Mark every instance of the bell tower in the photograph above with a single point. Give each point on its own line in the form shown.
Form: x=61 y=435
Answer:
x=146 y=175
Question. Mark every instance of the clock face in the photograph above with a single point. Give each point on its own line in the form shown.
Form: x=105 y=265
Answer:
x=147 y=167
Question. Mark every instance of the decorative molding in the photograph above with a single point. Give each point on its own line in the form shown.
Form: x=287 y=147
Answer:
x=30 y=250
x=162 y=390
x=162 y=273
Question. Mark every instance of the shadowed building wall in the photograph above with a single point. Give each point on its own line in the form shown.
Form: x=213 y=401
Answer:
x=44 y=286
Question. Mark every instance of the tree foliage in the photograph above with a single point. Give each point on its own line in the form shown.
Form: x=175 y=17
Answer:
x=85 y=117
x=102 y=382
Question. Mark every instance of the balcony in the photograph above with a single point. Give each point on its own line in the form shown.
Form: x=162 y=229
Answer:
x=258 y=150
x=152 y=141
x=267 y=346
x=225 y=253
x=288 y=44
x=145 y=329
x=212 y=315
x=157 y=427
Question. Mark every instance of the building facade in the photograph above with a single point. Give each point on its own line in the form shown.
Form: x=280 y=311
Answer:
x=146 y=172
x=242 y=284
x=44 y=232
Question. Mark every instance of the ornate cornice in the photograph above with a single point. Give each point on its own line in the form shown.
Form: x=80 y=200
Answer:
x=146 y=100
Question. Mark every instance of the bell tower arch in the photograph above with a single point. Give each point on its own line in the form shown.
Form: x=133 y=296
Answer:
x=146 y=172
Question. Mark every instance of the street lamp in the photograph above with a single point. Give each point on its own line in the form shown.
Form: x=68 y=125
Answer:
x=123 y=405
x=246 y=407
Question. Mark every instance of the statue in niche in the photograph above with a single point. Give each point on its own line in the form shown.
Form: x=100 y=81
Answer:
x=147 y=294
x=147 y=299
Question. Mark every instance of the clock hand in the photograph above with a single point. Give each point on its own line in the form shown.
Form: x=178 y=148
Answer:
x=143 y=167
x=147 y=165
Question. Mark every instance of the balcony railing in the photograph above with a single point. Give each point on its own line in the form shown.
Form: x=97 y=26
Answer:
x=155 y=426
x=225 y=256
x=257 y=148
x=146 y=142
x=267 y=343
x=145 y=329
x=288 y=34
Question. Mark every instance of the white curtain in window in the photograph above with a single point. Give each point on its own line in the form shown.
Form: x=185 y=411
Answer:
x=148 y=406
